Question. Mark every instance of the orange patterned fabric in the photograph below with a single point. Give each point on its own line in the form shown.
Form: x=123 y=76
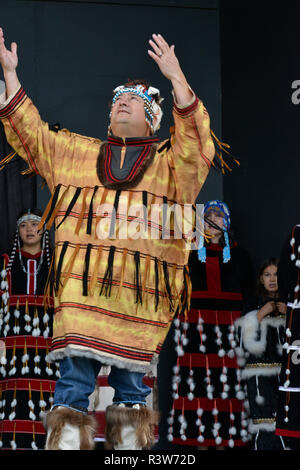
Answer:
x=114 y=297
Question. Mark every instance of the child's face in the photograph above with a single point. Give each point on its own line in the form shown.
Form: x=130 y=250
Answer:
x=269 y=279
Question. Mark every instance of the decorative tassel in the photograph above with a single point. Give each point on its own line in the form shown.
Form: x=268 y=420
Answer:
x=59 y=266
x=145 y=209
x=156 y=283
x=124 y=257
x=68 y=270
x=107 y=280
x=82 y=212
x=138 y=297
x=146 y=274
x=167 y=283
x=70 y=207
x=222 y=147
x=95 y=271
x=37 y=360
x=7 y=160
x=13 y=370
x=50 y=207
x=31 y=404
x=86 y=270
x=36 y=321
x=13 y=404
x=90 y=214
x=164 y=232
x=54 y=211
x=13 y=444
x=226 y=249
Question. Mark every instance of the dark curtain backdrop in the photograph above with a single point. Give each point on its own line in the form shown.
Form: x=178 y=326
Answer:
x=260 y=57
x=17 y=192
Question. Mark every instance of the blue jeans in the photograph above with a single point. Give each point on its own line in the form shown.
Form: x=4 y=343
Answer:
x=78 y=379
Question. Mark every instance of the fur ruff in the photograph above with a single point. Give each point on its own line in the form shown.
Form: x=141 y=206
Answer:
x=252 y=329
x=126 y=184
x=143 y=420
x=59 y=416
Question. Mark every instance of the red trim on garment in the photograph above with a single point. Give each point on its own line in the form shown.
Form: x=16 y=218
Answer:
x=24 y=427
x=10 y=107
x=207 y=442
x=93 y=308
x=31 y=263
x=228 y=405
x=213 y=317
x=206 y=360
x=30 y=159
x=188 y=109
x=29 y=255
x=72 y=340
x=33 y=300
x=31 y=342
x=216 y=295
x=287 y=432
x=26 y=384
x=131 y=141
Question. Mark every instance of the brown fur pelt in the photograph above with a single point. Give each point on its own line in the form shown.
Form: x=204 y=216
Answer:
x=143 y=420
x=126 y=184
x=59 y=416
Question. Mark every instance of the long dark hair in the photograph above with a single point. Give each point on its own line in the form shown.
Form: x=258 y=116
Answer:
x=261 y=291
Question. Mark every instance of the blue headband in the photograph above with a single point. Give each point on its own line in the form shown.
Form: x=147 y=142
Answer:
x=222 y=207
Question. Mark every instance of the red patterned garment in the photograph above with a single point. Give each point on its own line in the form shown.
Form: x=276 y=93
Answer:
x=27 y=379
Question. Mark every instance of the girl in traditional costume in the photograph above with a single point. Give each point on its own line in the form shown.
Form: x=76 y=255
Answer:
x=27 y=379
x=260 y=334
x=208 y=406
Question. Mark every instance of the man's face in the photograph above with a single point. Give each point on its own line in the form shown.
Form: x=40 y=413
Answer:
x=128 y=116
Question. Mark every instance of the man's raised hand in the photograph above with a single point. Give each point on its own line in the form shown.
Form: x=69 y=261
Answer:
x=8 y=58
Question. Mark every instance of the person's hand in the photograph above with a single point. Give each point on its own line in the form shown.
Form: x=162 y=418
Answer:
x=268 y=308
x=165 y=57
x=8 y=58
x=281 y=307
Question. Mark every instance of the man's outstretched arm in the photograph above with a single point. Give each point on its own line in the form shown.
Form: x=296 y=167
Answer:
x=9 y=63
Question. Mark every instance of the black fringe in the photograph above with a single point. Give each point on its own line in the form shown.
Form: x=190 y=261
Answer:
x=86 y=270
x=90 y=214
x=114 y=214
x=59 y=266
x=71 y=205
x=53 y=203
x=165 y=146
x=156 y=283
x=167 y=282
x=145 y=208
x=107 y=280
x=138 y=282
x=164 y=217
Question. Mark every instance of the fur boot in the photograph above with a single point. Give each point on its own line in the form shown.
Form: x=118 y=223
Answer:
x=69 y=430
x=130 y=428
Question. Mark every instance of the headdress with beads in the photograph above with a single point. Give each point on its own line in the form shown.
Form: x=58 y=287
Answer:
x=152 y=101
x=29 y=215
x=224 y=210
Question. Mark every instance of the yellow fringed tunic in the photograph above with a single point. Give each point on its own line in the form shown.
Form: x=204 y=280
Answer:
x=116 y=295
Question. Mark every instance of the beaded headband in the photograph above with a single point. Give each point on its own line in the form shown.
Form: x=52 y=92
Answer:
x=27 y=217
x=151 y=106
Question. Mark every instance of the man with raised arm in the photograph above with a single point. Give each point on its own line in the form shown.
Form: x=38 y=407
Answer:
x=115 y=295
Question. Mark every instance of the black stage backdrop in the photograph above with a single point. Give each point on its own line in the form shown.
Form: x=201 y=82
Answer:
x=17 y=192
x=260 y=57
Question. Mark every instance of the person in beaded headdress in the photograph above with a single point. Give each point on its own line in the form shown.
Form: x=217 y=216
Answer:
x=27 y=379
x=208 y=395
x=115 y=296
